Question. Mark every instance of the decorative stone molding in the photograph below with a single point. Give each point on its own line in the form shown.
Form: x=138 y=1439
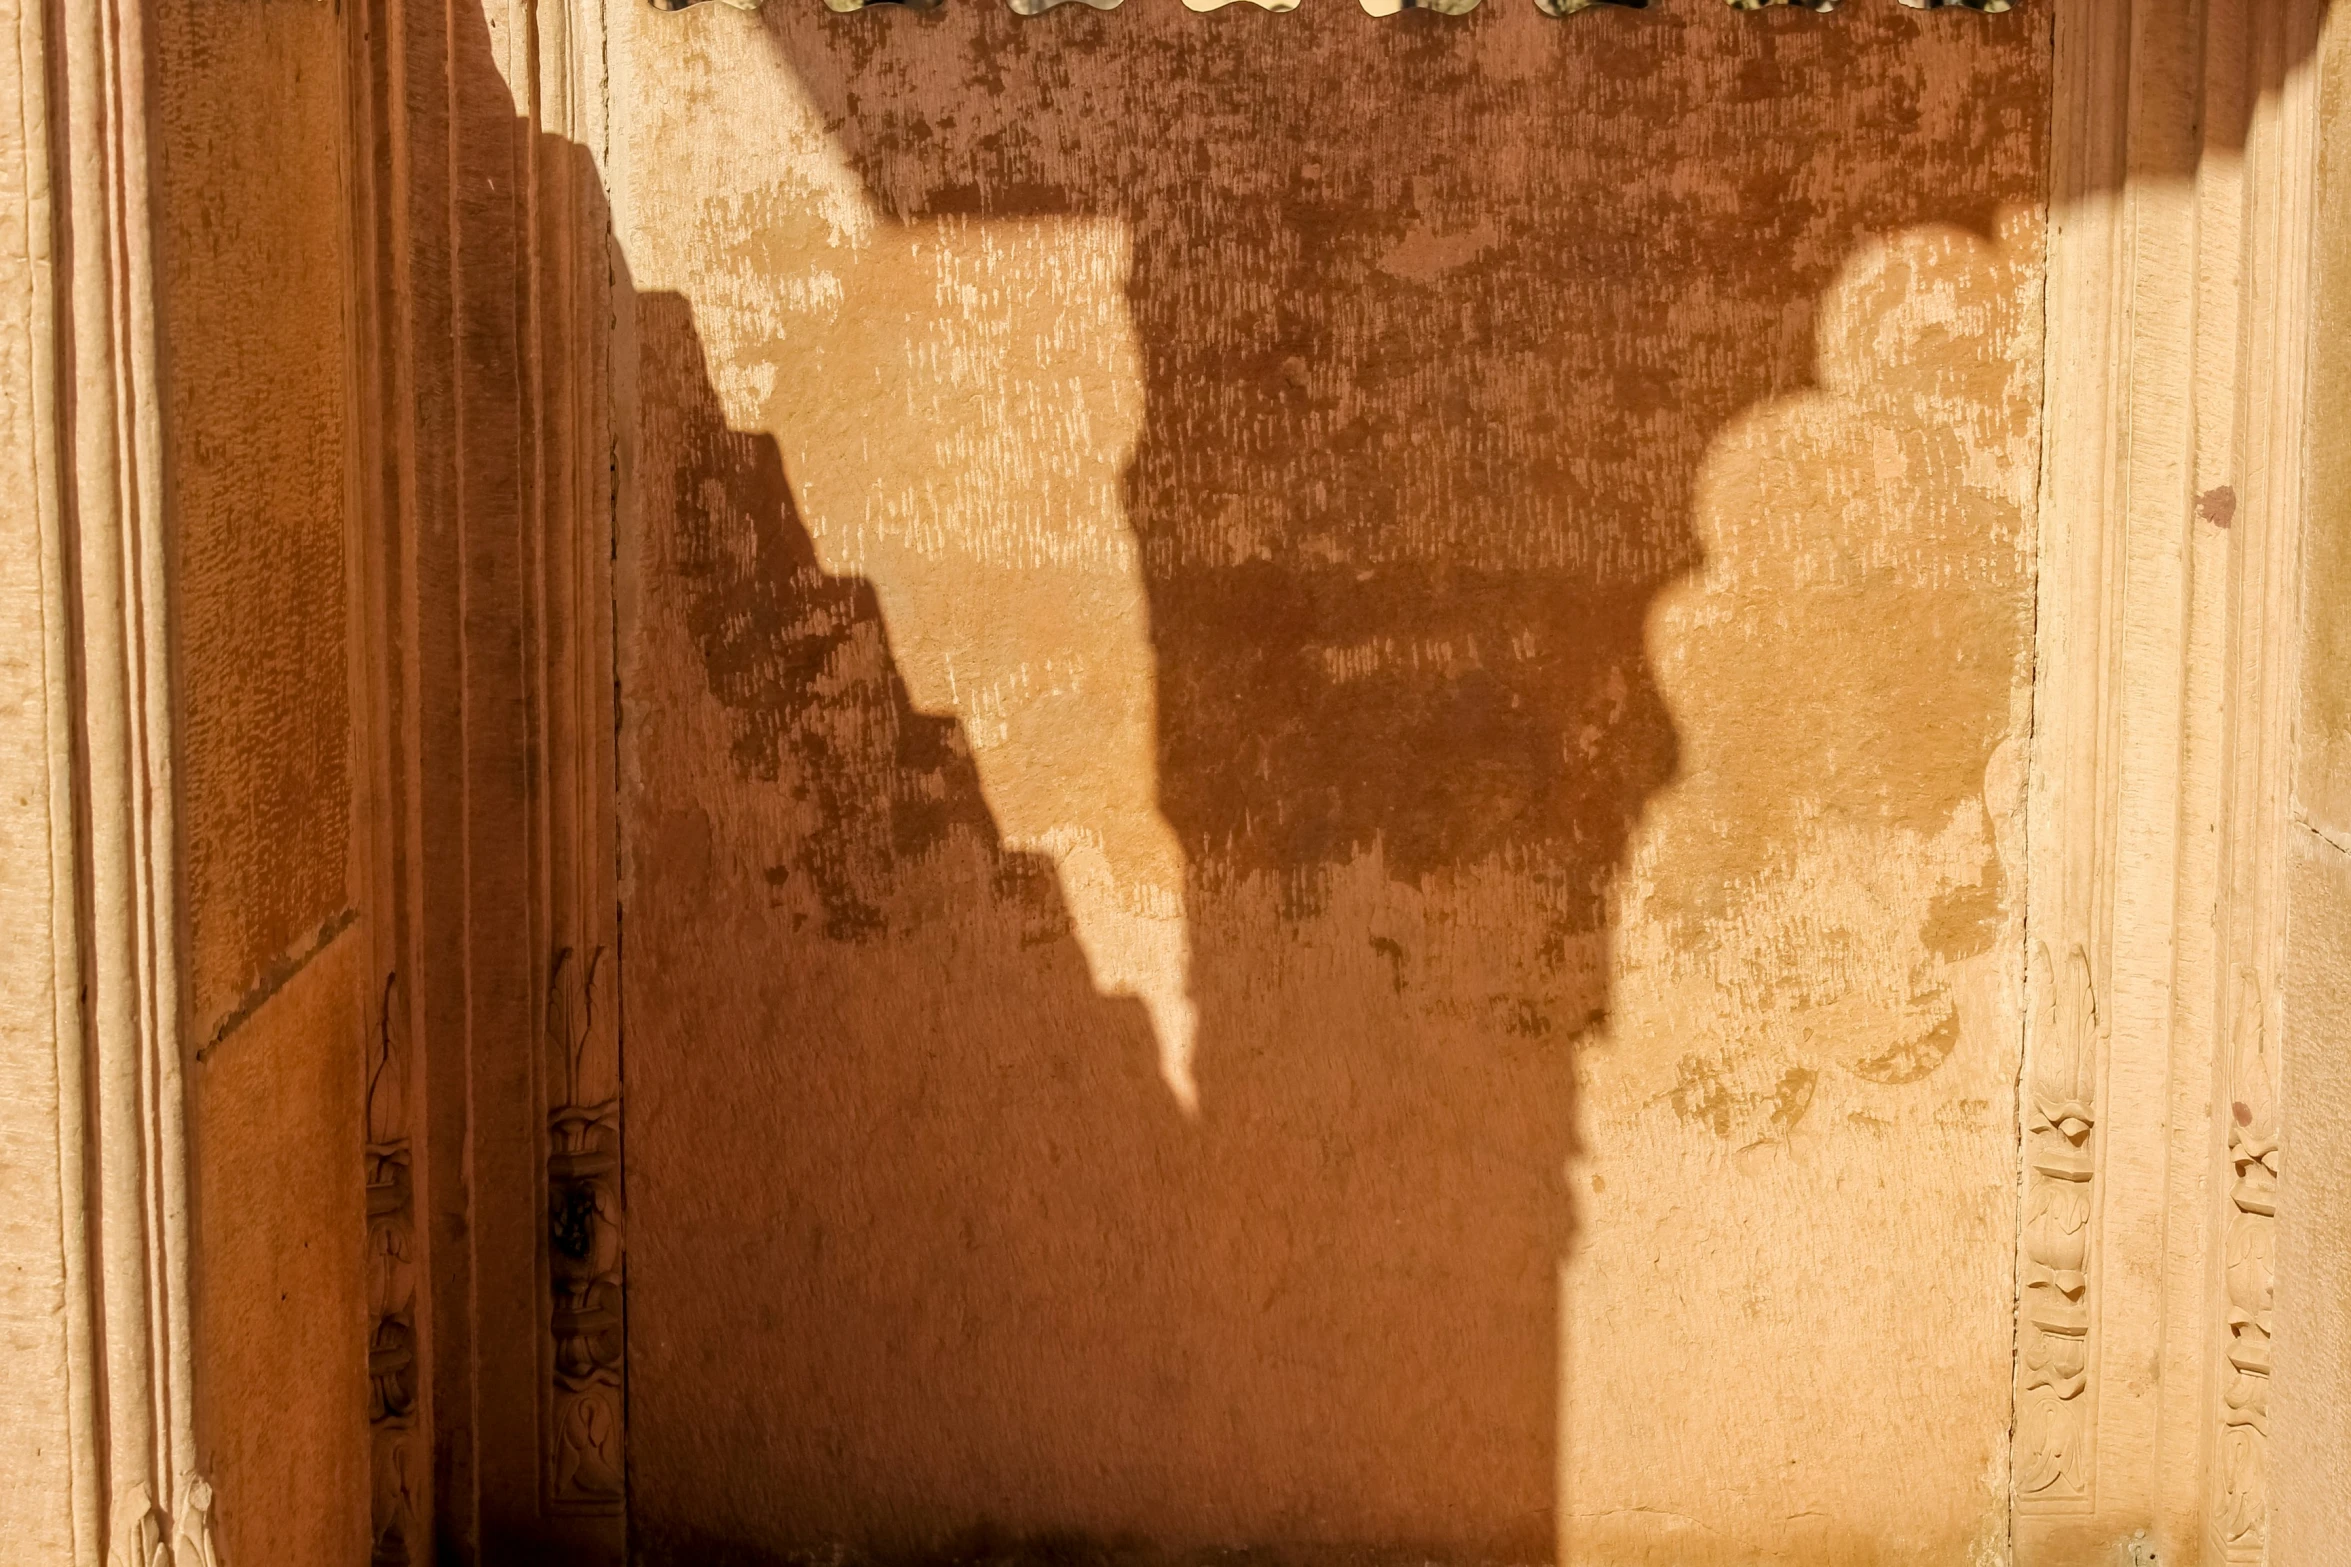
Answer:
x=1373 y=7
x=393 y=1369
x=2241 y=1512
x=2183 y=163
x=2053 y=1433
x=585 y=1467
x=98 y=500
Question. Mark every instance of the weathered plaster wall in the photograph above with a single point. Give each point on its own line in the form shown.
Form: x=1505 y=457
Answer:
x=1457 y=589
x=248 y=127
x=2312 y=1430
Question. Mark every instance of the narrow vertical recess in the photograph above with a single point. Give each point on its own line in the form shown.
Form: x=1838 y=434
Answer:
x=485 y=500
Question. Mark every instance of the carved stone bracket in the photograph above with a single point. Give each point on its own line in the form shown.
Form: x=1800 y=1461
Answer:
x=2053 y=1359
x=585 y=1466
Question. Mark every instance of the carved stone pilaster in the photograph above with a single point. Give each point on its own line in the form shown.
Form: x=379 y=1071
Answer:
x=584 y=1467
x=2053 y=1341
x=96 y=654
x=2241 y=1518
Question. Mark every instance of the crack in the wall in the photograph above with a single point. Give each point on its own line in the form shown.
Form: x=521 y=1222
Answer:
x=2331 y=840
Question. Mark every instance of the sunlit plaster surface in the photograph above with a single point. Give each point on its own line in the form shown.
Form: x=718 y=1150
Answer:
x=956 y=403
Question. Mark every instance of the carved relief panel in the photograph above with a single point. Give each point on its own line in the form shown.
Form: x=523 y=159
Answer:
x=2054 y=1350
x=585 y=1469
x=2241 y=1517
x=392 y=1369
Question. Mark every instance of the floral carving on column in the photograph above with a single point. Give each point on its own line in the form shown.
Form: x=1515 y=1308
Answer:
x=392 y=1372
x=2053 y=1361
x=2242 y=1517
x=584 y=1240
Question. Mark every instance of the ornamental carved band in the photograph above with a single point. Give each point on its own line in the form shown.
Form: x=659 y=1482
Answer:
x=392 y=1371
x=2241 y=1521
x=584 y=1463
x=2053 y=1361
x=1375 y=7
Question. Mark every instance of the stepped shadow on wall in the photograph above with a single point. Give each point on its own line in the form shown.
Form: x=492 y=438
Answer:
x=917 y=1226
x=920 y=1244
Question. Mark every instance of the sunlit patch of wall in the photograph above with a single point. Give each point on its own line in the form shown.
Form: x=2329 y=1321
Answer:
x=956 y=404
x=1806 y=1102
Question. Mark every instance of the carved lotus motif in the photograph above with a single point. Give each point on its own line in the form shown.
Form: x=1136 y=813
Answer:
x=587 y=1331
x=2045 y=1465
x=2057 y=1226
x=391 y=1371
x=587 y=1457
x=2243 y=1514
x=2068 y=1118
x=2252 y=1266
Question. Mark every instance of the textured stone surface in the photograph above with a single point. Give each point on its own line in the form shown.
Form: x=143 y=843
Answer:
x=281 y=1331
x=247 y=120
x=1491 y=559
x=2311 y=1431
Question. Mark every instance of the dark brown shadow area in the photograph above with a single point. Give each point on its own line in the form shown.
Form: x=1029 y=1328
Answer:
x=1438 y=319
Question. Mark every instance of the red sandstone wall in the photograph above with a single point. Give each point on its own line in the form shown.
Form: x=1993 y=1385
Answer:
x=248 y=123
